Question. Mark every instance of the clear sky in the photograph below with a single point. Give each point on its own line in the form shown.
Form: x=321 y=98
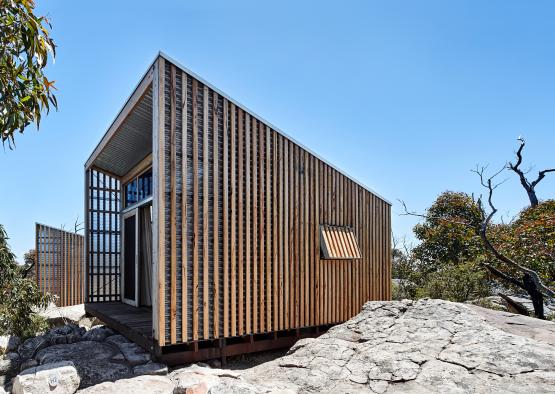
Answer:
x=405 y=96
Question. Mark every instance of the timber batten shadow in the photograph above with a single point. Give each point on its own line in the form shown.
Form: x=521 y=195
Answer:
x=223 y=226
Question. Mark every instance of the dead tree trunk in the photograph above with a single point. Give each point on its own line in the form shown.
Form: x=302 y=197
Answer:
x=530 y=187
x=531 y=282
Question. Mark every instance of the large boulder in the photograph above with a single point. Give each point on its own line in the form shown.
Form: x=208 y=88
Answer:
x=9 y=343
x=60 y=316
x=196 y=379
x=133 y=353
x=55 y=378
x=10 y=363
x=98 y=333
x=138 y=385
x=151 y=368
x=32 y=345
x=93 y=360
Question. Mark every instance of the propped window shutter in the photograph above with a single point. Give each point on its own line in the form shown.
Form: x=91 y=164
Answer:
x=338 y=242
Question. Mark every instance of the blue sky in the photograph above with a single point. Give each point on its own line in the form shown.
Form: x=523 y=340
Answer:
x=405 y=96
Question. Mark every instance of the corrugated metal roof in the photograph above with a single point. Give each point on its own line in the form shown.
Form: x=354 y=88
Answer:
x=131 y=143
x=123 y=148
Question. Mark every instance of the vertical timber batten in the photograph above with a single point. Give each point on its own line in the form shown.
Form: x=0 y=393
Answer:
x=237 y=212
x=160 y=323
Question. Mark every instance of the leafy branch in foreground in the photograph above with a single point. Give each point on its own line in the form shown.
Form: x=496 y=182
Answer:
x=25 y=46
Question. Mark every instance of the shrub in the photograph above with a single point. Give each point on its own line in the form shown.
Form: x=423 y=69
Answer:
x=19 y=296
x=459 y=283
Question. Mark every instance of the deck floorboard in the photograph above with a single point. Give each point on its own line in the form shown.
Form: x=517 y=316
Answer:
x=134 y=323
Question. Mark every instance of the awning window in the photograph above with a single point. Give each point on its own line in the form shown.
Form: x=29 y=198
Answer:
x=338 y=242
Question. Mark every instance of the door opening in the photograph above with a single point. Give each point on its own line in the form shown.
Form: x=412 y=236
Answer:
x=136 y=259
x=130 y=251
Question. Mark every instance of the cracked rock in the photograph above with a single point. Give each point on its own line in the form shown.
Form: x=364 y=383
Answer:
x=417 y=346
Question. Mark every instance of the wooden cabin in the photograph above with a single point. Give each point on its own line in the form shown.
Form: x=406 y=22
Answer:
x=59 y=266
x=209 y=232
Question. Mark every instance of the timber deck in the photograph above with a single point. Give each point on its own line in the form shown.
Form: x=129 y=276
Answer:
x=134 y=323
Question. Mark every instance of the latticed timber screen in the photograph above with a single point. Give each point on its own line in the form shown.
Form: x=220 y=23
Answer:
x=60 y=264
x=103 y=223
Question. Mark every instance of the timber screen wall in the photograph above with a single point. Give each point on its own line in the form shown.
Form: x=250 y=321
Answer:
x=60 y=264
x=103 y=223
x=239 y=214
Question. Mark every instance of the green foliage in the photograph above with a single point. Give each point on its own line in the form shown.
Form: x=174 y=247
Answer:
x=448 y=235
x=487 y=303
x=444 y=263
x=405 y=270
x=25 y=45
x=18 y=296
x=458 y=283
x=530 y=239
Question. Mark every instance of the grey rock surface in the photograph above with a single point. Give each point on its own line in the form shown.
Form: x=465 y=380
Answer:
x=56 y=378
x=91 y=359
x=59 y=316
x=32 y=345
x=134 y=354
x=415 y=346
x=10 y=364
x=30 y=363
x=98 y=333
x=540 y=330
x=425 y=346
x=138 y=385
x=151 y=368
x=9 y=343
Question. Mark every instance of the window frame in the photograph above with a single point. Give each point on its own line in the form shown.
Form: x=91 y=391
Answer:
x=135 y=178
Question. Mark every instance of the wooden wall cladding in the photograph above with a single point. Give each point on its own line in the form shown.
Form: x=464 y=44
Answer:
x=240 y=216
x=60 y=264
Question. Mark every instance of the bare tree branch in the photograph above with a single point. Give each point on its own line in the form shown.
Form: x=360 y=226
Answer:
x=78 y=226
x=430 y=217
x=530 y=187
x=498 y=255
x=503 y=275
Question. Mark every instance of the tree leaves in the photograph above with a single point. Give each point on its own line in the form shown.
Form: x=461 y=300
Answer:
x=19 y=295
x=25 y=47
x=448 y=235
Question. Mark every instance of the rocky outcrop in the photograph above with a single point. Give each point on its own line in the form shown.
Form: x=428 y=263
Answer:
x=74 y=314
x=138 y=385
x=56 y=378
x=420 y=346
x=98 y=355
x=10 y=364
x=151 y=368
x=390 y=347
x=93 y=361
x=507 y=302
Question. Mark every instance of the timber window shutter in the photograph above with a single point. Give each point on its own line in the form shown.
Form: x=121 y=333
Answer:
x=338 y=242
